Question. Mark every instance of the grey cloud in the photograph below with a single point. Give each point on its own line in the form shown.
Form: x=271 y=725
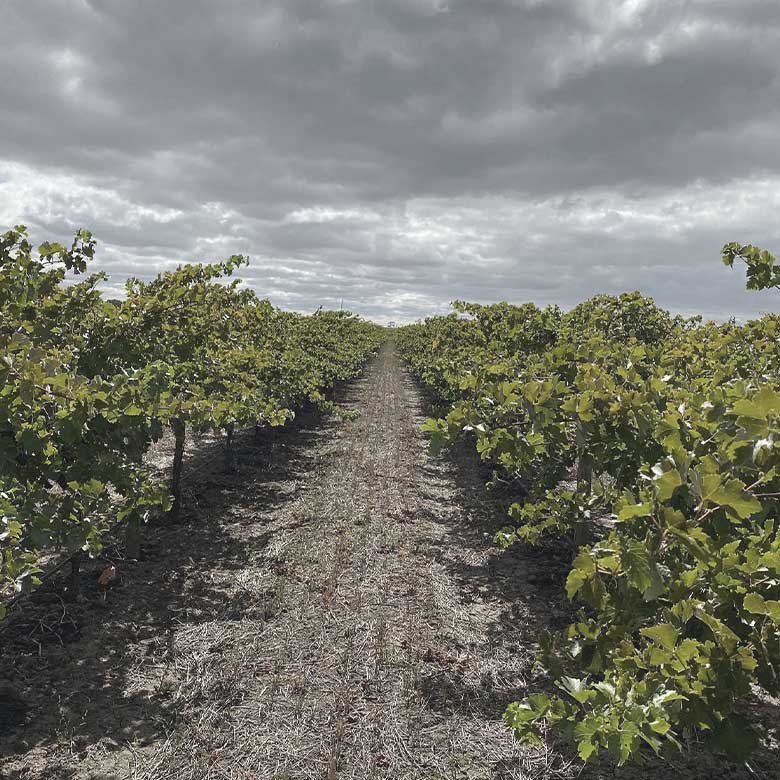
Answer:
x=406 y=152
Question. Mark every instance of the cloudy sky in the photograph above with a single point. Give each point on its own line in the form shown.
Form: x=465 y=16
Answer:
x=400 y=154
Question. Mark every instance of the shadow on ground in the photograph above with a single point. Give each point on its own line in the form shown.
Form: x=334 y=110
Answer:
x=74 y=664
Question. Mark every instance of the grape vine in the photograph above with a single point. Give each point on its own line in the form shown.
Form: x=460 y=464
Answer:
x=649 y=445
x=87 y=385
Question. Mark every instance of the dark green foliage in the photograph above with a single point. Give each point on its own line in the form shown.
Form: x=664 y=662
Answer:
x=658 y=439
x=86 y=385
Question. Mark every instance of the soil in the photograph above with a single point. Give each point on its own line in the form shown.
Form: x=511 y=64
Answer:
x=335 y=609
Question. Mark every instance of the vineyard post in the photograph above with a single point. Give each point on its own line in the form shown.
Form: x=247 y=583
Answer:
x=133 y=538
x=230 y=460
x=179 y=431
x=73 y=588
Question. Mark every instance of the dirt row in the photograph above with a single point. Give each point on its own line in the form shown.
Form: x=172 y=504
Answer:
x=335 y=610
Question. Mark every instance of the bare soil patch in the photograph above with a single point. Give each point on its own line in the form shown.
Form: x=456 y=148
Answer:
x=335 y=610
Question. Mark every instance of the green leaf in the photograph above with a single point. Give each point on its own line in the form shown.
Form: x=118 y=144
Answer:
x=766 y=401
x=576 y=688
x=666 y=483
x=725 y=637
x=734 y=496
x=754 y=602
x=586 y=734
x=583 y=568
x=642 y=572
x=635 y=510
x=663 y=634
x=757 y=605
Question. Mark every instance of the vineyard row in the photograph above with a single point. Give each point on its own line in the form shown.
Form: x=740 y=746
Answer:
x=648 y=447
x=88 y=384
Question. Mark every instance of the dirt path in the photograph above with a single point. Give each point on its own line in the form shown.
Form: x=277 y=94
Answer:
x=336 y=622
x=341 y=615
x=366 y=661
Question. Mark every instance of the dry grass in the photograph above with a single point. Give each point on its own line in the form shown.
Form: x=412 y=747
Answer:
x=341 y=614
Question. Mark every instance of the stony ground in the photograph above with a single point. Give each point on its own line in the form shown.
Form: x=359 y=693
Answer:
x=334 y=610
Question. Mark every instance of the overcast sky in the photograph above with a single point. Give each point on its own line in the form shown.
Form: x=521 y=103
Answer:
x=400 y=154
